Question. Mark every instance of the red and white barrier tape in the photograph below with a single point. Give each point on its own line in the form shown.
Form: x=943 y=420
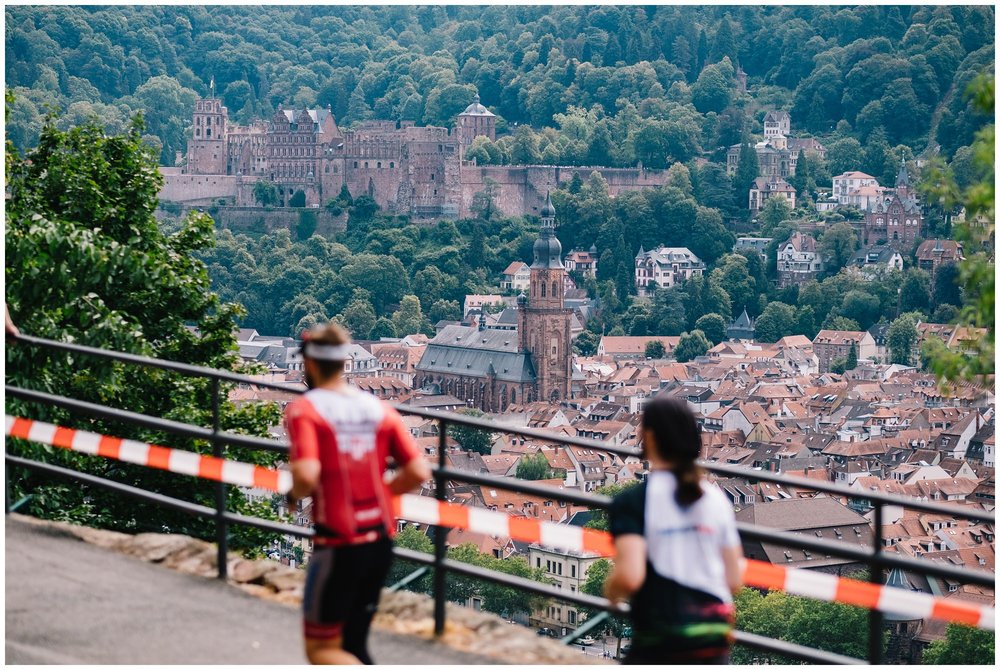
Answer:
x=153 y=456
x=796 y=581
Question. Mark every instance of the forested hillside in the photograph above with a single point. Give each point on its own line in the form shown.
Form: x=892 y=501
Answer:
x=609 y=85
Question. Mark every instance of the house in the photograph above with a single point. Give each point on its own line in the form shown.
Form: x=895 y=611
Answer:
x=798 y=260
x=819 y=517
x=763 y=189
x=895 y=218
x=758 y=244
x=584 y=262
x=664 y=267
x=568 y=571
x=517 y=277
x=954 y=441
x=932 y=254
x=475 y=303
x=844 y=183
x=624 y=347
x=872 y=261
x=777 y=123
x=829 y=345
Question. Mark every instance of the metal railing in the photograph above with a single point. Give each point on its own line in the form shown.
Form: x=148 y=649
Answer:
x=875 y=559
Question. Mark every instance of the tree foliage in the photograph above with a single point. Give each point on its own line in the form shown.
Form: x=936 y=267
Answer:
x=87 y=262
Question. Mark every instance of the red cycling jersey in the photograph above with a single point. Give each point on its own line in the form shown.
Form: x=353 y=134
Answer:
x=352 y=434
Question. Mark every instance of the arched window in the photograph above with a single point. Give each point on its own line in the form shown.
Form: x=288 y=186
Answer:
x=555 y=289
x=392 y=164
x=543 y=289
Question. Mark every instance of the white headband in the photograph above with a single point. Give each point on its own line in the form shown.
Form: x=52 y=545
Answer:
x=326 y=352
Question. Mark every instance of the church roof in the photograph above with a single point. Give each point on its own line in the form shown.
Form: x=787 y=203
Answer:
x=468 y=351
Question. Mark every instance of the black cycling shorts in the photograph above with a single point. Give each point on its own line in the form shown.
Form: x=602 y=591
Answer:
x=343 y=584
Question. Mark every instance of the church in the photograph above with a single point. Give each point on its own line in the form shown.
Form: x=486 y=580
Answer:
x=491 y=369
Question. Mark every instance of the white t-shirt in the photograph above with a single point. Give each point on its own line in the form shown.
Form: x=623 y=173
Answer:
x=685 y=543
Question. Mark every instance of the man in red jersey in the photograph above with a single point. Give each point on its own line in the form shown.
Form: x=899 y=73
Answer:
x=341 y=440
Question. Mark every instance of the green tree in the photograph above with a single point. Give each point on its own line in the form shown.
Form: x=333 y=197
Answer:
x=586 y=343
x=358 y=318
x=655 y=349
x=533 y=467
x=444 y=310
x=915 y=292
x=841 y=323
x=469 y=438
x=732 y=274
x=691 y=346
x=298 y=199
x=901 y=338
x=836 y=246
x=384 y=277
x=962 y=645
x=862 y=307
x=409 y=319
x=265 y=193
x=524 y=147
x=947 y=290
x=383 y=328
x=713 y=89
x=978 y=270
x=775 y=322
x=87 y=262
x=774 y=212
x=714 y=327
x=747 y=169
x=852 y=357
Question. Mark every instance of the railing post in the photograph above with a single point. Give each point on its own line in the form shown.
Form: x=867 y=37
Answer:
x=440 y=535
x=874 y=615
x=221 y=528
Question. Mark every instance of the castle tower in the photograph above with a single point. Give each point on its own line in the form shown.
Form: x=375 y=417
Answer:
x=543 y=320
x=476 y=120
x=207 y=151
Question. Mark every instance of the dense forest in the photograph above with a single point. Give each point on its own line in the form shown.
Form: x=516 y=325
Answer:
x=596 y=85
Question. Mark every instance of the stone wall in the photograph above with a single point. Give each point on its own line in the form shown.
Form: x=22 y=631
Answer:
x=521 y=190
x=196 y=188
x=256 y=219
x=301 y=223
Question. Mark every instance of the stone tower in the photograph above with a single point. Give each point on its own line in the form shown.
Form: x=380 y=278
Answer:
x=207 y=146
x=476 y=120
x=543 y=320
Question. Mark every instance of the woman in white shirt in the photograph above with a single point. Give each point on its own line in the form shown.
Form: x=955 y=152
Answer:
x=678 y=556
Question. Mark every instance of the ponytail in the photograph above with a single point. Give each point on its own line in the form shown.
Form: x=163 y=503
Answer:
x=688 y=483
x=678 y=440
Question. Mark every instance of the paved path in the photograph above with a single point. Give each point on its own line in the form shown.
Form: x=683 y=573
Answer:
x=71 y=602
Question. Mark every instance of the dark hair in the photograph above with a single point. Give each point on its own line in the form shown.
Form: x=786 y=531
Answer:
x=678 y=440
x=327 y=333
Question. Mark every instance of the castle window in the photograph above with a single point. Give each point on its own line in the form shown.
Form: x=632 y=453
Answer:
x=432 y=176
x=555 y=289
x=543 y=289
x=355 y=164
x=379 y=164
x=208 y=132
x=197 y=132
x=366 y=163
x=391 y=164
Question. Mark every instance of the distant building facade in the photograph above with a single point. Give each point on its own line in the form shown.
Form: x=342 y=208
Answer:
x=664 y=267
x=798 y=260
x=491 y=369
x=406 y=169
x=829 y=345
x=895 y=218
